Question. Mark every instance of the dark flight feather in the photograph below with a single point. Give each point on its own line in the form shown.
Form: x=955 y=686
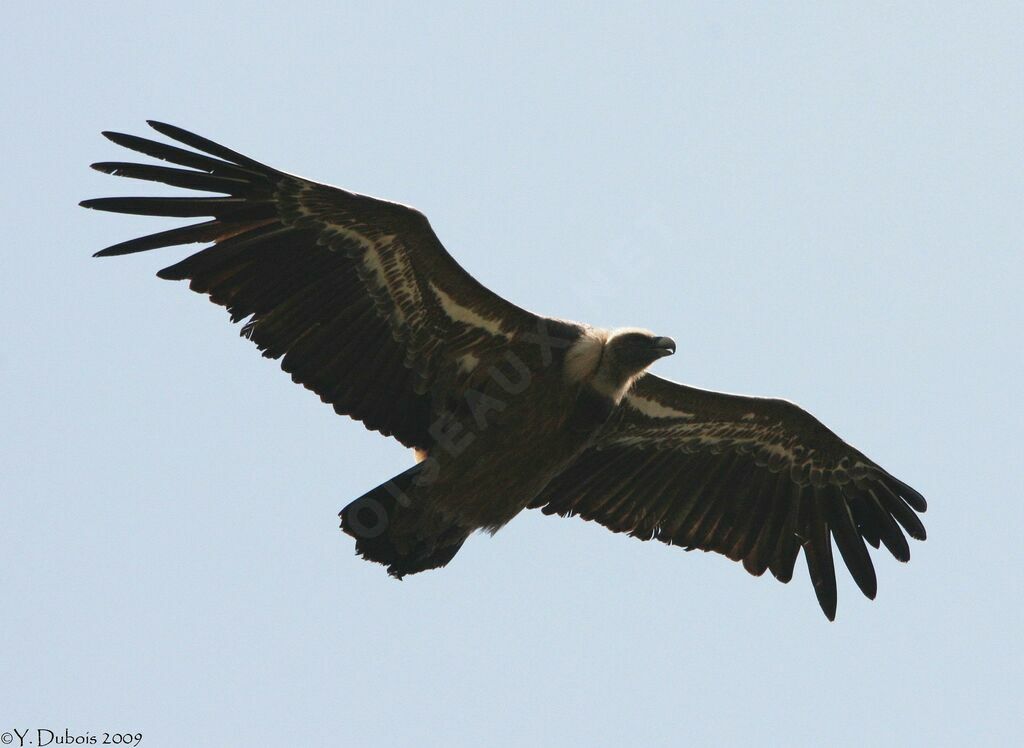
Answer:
x=181 y=157
x=184 y=178
x=818 y=553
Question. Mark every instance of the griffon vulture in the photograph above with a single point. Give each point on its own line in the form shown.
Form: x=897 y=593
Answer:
x=506 y=409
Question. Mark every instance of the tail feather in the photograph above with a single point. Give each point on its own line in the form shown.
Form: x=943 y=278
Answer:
x=394 y=529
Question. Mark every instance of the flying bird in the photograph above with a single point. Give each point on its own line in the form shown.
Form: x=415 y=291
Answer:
x=505 y=409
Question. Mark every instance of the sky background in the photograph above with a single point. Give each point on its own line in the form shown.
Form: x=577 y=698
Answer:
x=819 y=203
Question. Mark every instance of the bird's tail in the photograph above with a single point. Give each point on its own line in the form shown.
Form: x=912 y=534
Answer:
x=394 y=527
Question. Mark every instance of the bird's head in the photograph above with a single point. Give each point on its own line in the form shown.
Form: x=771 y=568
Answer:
x=632 y=351
x=626 y=354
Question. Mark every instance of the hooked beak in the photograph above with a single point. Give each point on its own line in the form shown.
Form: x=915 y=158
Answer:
x=664 y=346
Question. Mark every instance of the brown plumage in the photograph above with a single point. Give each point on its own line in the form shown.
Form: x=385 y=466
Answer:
x=505 y=408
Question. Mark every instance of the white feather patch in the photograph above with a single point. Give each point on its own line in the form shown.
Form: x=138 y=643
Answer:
x=465 y=315
x=654 y=409
x=583 y=356
x=468 y=362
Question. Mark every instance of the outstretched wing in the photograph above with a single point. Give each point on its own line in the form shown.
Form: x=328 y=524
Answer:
x=752 y=478
x=357 y=294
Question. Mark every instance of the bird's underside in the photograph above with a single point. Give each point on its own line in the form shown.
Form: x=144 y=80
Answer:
x=506 y=409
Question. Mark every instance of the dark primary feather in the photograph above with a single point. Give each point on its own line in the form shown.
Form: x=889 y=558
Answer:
x=208 y=146
x=751 y=478
x=818 y=552
x=193 y=160
x=177 y=207
x=185 y=178
x=207 y=231
x=344 y=288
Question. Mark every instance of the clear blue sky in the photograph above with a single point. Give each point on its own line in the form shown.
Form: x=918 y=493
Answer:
x=819 y=203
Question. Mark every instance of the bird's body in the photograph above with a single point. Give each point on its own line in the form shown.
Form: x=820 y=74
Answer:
x=506 y=409
x=530 y=416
